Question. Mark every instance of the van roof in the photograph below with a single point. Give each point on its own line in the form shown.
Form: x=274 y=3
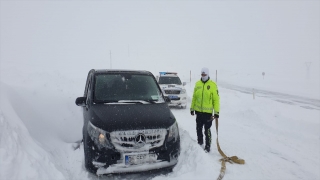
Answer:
x=122 y=71
x=168 y=74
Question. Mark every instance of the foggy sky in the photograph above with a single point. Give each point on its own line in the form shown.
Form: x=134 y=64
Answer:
x=169 y=35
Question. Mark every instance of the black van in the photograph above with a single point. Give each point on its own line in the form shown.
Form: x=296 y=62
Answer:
x=128 y=126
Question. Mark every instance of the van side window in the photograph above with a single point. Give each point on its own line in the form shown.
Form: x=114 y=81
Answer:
x=88 y=93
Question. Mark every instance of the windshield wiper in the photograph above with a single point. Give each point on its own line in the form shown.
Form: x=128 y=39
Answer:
x=151 y=101
x=128 y=101
x=106 y=101
x=131 y=101
x=137 y=101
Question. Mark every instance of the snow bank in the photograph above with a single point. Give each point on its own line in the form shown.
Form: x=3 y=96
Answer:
x=21 y=156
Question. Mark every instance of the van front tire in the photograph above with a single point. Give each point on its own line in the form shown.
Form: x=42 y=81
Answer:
x=88 y=157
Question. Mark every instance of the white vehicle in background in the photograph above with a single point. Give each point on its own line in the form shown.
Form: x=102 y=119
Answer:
x=172 y=87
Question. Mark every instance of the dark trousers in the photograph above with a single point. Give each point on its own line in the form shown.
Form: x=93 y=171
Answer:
x=203 y=119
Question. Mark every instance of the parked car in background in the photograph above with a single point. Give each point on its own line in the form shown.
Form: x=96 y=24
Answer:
x=128 y=126
x=172 y=87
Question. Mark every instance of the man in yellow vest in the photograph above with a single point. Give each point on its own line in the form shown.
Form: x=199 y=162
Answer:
x=206 y=105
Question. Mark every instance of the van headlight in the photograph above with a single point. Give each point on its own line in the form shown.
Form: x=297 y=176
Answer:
x=173 y=132
x=100 y=137
x=183 y=91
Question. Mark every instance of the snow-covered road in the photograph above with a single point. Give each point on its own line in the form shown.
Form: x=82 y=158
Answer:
x=304 y=102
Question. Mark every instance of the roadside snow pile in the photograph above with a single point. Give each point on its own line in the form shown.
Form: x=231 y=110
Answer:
x=21 y=156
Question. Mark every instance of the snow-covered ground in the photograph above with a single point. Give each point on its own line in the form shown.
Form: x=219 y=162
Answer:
x=40 y=123
x=270 y=121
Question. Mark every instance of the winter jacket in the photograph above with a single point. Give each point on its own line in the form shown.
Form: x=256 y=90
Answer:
x=205 y=97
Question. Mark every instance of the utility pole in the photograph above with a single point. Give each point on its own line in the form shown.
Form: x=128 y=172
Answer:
x=308 y=68
x=253 y=93
x=128 y=51
x=216 y=76
x=110 y=61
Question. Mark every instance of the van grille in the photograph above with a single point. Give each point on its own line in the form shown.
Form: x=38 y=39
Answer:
x=172 y=91
x=138 y=140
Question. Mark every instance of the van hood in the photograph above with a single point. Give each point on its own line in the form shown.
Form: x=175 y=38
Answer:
x=171 y=86
x=115 y=117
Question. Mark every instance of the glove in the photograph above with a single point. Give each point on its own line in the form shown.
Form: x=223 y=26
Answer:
x=214 y=117
x=192 y=113
x=211 y=119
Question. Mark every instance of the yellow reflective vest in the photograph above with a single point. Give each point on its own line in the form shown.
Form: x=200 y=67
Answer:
x=205 y=97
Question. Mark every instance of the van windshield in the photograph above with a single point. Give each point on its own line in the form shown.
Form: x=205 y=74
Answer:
x=169 y=80
x=117 y=87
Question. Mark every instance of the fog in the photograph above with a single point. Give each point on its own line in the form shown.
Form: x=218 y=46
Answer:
x=230 y=36
x=48 y=47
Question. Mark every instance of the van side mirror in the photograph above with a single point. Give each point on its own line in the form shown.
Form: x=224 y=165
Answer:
x=81 y=101
x=167 y=99
x=184 y=83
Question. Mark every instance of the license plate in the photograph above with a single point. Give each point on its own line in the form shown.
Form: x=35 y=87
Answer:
x=173 y=97
x=139 y=159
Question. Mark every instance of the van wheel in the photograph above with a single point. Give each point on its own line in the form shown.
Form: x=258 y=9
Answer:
x=88 y=158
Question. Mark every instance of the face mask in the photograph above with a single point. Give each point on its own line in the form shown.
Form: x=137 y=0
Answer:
x=204 y=78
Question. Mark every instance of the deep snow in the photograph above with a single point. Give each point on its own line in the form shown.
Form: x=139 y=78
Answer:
x=40 y=124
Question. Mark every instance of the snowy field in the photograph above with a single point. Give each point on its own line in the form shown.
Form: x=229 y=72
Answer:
x=270 y=121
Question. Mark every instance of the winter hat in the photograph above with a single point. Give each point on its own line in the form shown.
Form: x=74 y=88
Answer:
x=206 y=72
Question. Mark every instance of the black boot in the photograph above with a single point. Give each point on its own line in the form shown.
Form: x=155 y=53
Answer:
x=207 y=148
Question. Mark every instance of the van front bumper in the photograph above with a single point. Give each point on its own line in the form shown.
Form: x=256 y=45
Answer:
x=122 y=168
x=112 y=161
x=177 y=101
